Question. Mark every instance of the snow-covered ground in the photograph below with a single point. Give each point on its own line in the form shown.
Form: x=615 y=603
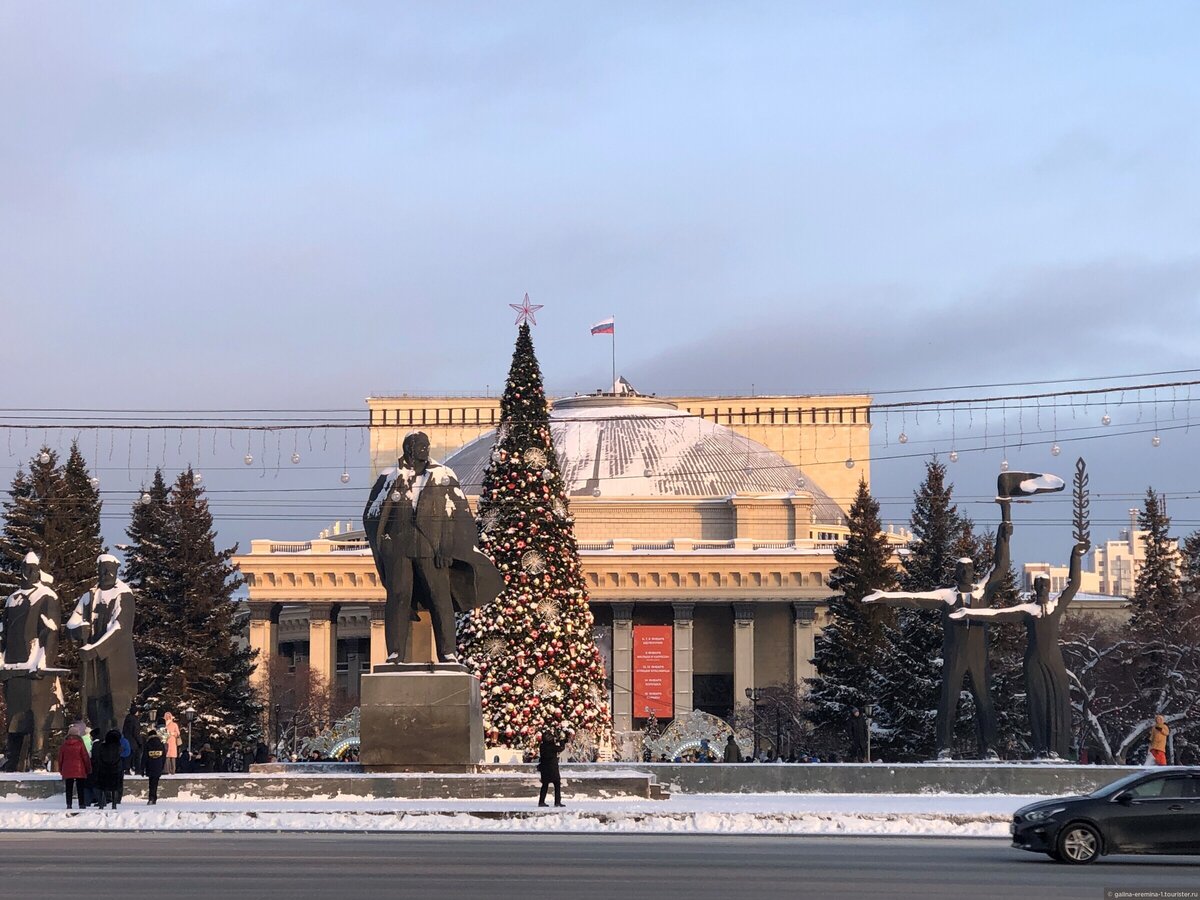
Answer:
x=849 y=814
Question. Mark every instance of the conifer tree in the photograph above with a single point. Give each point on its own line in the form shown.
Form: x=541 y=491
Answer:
x=1157 y=599
x=54 y=511
x=849 y=649
x=148 y=570
x=32 y=517
x=539 y=668
x=912 y=662
x=189 y=654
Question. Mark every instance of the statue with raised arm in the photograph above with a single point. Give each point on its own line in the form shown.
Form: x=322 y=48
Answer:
x=29 y=643
x=1047 y=689
x=103 y=623
x=964 y=643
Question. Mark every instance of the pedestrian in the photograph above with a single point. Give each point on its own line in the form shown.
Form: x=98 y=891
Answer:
x=154 y=759
x=132 y=733
x=126 y=755
x=172 y=742
x=90 y=788
x=107 y=765
x=207 y=761
x=1158 y=741
x=858 y=735
x=262 y=754
x=733 y=753
x=548 y=750
x=74 y=765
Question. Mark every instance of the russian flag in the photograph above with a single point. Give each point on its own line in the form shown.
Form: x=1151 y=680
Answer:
x=604 y=326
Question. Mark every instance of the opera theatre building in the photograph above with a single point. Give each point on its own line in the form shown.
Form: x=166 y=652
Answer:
x=706 y=528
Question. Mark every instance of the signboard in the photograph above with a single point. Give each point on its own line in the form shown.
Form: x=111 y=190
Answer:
x=653 y=665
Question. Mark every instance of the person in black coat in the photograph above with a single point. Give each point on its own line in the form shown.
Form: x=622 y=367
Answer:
x=206 y=762
x=262 y=754
x=132 y=733
x=108 y=768
x=858 y=735
x=154 y=758
x=548 y=751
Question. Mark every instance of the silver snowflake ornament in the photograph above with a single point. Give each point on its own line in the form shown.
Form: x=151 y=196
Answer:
x=533 y=563
x=535 y=458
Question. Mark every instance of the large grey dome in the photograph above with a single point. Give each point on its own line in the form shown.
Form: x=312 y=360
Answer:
x=636 y=446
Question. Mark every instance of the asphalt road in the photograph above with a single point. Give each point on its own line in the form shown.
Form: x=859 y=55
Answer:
x=182 y=866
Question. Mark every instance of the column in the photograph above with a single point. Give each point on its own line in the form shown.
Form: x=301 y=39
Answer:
x=743 y=651
x=804 y=632
x=378 y=636
x=682 y=675
x=322 y=640
x=264 y=637
x=622 y=667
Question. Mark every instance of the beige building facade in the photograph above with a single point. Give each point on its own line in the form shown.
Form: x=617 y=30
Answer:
x=691 y=513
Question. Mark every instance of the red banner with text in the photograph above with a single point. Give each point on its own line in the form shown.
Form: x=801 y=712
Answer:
x=653 y=664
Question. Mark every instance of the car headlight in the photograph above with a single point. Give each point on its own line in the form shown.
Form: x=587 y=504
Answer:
x=1041 y=815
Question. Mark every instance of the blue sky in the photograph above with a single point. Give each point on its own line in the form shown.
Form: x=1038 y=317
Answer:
x=258 y=204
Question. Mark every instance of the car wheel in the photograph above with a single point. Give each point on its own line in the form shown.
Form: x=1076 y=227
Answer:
x=1078 y=844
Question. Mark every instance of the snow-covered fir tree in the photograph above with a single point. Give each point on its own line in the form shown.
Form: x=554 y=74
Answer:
x=188 y=647
x=54 y=510
x=533 y=650
x=912 y=661
x=849 y=649
x=148 y=569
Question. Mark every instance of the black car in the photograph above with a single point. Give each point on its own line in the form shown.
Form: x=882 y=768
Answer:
x=1154 y=811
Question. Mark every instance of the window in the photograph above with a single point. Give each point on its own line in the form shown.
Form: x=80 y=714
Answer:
x=1165 y=788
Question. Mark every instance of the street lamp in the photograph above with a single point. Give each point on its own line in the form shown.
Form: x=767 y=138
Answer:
x=754 y=696
x=190 y=712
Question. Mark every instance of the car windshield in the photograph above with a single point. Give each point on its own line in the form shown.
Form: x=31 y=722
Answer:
x=1117 y=786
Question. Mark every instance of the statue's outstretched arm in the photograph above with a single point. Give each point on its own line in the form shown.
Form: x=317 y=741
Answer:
x=1001 y=559
x=1001 y=614
x=912 y=599
x=1074 y=575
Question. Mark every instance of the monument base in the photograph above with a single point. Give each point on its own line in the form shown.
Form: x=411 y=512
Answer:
x=428 y=720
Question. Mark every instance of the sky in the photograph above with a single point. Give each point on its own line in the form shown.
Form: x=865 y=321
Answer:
x=256 y=205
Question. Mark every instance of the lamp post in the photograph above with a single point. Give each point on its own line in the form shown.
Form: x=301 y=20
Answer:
x=190 y=712
x=754 y=695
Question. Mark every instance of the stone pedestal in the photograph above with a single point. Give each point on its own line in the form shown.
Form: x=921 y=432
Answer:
x=426 y=720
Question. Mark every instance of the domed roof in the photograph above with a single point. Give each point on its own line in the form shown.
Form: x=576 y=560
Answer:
x=632 y=446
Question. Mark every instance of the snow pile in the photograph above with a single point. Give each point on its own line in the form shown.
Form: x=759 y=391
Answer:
x=939 y=815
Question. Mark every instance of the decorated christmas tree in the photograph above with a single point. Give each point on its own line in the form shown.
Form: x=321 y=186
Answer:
x=539 y=668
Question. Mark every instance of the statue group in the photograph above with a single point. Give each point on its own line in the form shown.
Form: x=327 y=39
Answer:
x=966 y=611
x=102 y=623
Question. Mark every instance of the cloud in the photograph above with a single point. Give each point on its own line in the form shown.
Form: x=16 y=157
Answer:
x=1107 y=316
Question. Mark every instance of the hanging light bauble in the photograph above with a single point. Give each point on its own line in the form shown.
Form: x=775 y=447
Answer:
x=850 y=462
x=248 y=458
x=197 y=478
x=903 y=438
x=345 y=478
x=1004 y=465
x=145 y=499
x=44 y=458
x=1106 y=419
x=953 y=456
x=295 y=458
x=1055 y=449
x=1155 y=441
x=94 y=482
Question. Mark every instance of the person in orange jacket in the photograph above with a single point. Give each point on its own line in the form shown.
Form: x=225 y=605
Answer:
x=1158 y=740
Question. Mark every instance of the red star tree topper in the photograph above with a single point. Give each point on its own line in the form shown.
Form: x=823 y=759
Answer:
x=533 y=650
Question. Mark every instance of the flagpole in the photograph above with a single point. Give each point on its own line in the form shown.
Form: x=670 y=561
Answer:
x=614 y=355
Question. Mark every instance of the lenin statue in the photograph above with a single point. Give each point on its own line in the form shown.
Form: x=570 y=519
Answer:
x=103 y=622
x=422 y=536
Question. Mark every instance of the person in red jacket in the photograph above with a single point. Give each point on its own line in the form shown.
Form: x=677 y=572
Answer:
x=74 y=764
